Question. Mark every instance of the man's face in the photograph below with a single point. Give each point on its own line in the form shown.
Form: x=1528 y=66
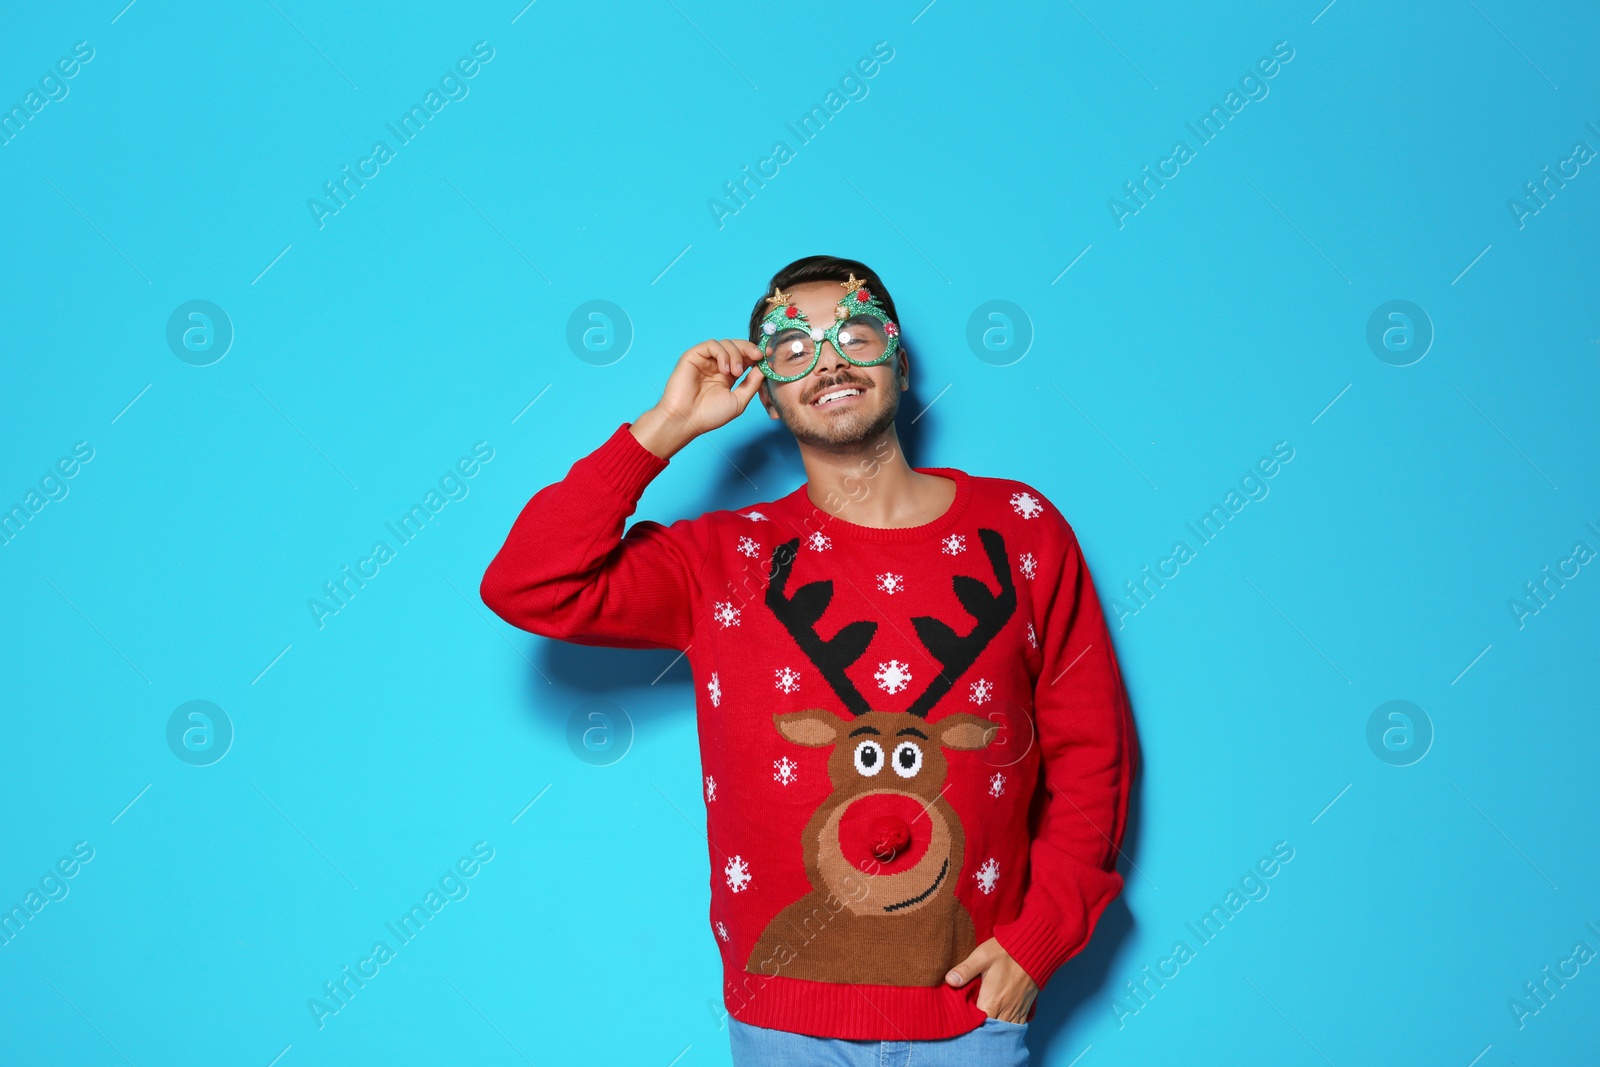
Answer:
x=846 y=419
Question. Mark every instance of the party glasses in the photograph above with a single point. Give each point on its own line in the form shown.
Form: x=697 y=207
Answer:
x=861 y=333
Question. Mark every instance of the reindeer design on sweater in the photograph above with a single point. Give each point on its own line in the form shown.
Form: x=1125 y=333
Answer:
x=884 y=850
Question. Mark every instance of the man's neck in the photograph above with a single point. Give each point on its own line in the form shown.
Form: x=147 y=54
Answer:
x=872 y=484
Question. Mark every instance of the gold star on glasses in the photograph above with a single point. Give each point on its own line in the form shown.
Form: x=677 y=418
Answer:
x=776 y=300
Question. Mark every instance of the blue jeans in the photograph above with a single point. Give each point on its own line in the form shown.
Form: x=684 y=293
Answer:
x=994 y=1044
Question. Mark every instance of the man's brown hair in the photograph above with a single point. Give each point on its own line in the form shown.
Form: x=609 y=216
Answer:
x=825 y=269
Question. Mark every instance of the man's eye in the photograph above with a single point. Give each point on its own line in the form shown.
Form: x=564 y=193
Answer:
x=790 y=347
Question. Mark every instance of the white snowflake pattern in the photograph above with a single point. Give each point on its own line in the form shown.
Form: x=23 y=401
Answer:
x=754 y=516
x=737 y=872
x=711 y=788
x=714 y=687
x=1030 y=566
x=997 y=784
x=748 y=546
x=725 y=613
x=1026 y=504
x=818 y=541
x=785 y=770
x=893 y=676
x=981 y=690
x=987 y=876
x=891 y=583
x=953 y=544
x=722 y=931
x=788 y=679
x=1033 y=638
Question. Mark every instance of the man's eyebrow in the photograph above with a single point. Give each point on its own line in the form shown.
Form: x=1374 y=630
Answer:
x=864 y=730
x=911 y=730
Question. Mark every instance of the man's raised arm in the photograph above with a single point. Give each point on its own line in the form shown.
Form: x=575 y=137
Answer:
x=567 y=571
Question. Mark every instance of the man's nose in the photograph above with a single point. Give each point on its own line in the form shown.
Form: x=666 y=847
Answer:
x=830 y=358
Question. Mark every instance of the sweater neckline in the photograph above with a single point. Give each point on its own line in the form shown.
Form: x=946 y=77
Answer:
x=898 y=534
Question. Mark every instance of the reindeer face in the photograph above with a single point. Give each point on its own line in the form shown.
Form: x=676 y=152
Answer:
x=885 y=826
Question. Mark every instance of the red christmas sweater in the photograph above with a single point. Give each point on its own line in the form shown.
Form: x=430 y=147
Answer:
x=911 y=739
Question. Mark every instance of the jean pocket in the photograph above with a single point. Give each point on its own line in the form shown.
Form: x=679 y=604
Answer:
x=993 y=1021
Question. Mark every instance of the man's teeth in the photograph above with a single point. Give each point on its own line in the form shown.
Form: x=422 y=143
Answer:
x=835 y=395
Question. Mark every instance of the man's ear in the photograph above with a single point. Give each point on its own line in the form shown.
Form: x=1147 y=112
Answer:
x=905 y=370
x=813 y=728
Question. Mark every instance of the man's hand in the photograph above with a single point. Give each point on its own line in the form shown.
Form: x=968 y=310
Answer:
x=1007 y=992
x=700 y=395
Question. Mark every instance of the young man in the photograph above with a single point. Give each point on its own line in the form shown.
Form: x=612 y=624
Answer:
x=915 y=742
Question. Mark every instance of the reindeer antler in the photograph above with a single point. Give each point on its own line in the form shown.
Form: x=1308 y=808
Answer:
x=799 y=614
x=955 y=653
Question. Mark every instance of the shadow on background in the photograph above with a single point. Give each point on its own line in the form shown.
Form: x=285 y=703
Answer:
x=1082 y=984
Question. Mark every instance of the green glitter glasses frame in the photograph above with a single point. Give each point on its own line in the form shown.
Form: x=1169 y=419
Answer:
x=862 y=334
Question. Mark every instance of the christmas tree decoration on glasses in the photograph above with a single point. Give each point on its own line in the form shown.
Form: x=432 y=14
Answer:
x=862 y=333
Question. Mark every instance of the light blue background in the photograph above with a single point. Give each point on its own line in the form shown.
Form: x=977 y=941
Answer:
x=431 y=310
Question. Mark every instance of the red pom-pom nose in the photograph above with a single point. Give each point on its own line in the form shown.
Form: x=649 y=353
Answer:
x=889 y=836
x=886 y=832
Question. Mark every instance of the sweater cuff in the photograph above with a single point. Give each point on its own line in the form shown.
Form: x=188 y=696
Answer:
x=1042 y=938
x=1040 y=941
x=625 y=465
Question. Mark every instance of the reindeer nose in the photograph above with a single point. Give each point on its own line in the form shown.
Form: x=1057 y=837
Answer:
x=888 y=835
x=886 y=832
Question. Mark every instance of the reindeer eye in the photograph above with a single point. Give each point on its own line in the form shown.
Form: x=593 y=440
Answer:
x=907 y=759
x=869 y=758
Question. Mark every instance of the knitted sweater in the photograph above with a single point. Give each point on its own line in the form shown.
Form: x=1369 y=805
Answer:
x=911 y=739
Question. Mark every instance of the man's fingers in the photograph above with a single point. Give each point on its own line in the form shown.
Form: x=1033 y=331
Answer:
x=748 y=387
x=730 y=358
x=713 y=356
x=719 y=353
x=963 y=972
x=705 y=356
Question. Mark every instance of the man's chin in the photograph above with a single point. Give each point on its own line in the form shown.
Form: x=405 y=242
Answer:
x=843 y=430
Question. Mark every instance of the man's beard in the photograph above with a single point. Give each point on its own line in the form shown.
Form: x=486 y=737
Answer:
x=844 y=432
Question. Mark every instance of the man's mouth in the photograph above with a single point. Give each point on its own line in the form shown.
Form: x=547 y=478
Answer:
x=837 y=395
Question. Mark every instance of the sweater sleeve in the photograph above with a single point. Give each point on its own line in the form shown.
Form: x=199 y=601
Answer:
x=1088 y=752
x=567 y=571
